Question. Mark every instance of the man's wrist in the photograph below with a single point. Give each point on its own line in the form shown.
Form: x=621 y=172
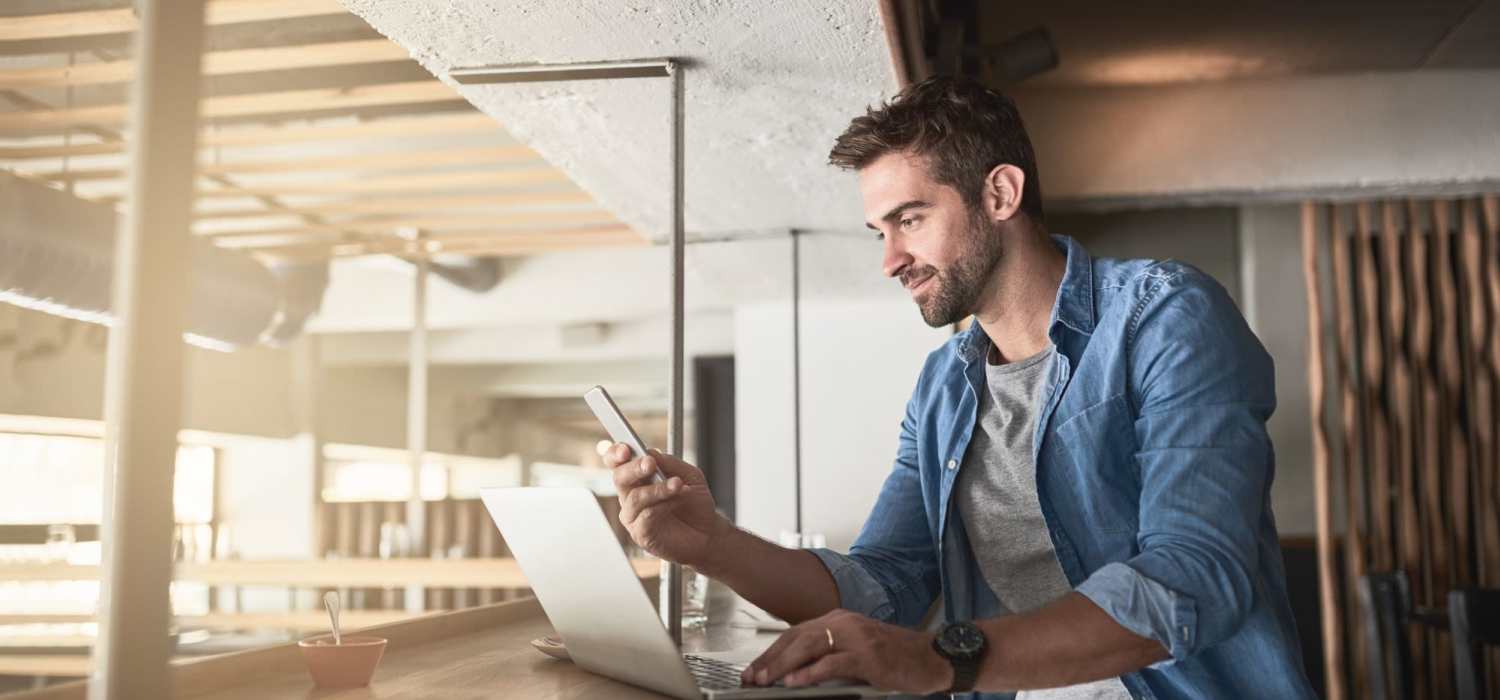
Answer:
x=941 y=668
x=718 y=552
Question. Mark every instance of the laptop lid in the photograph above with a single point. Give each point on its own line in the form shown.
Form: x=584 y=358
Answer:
x=565 y=547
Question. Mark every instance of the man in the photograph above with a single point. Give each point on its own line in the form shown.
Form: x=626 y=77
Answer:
x=1083 y=475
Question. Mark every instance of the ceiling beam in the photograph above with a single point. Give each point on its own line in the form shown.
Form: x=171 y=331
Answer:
x=256 y=104
x=387 y=205
x=390 y=224
x=122 y=19
x=497 y=244
x=216 y=63
x=374 y=161
x=399 y=184
x=457 y=122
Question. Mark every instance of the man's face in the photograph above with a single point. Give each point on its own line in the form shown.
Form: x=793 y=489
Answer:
x=944 y=254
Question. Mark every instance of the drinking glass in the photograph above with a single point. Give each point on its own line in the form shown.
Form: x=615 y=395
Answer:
x=694 y=596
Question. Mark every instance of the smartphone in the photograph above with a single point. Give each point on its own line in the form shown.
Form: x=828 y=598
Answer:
x=614 y=422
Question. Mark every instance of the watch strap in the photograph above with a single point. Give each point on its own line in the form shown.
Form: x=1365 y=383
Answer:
x=965 y=668
x=965 y=673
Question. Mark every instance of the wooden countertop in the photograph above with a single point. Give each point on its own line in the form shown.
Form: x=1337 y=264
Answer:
x=482 y=652
x=301 y=620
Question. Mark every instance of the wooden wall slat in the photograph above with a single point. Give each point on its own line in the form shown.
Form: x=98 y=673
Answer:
x=1349 y=472
x=1490 y=208
x=1490 y=465
x=1415 y=300
x=1482 y=420
x=1373 y=378
x=1397 y=416
x=1333 y=639
x=1451 y=393
x=1433 y=574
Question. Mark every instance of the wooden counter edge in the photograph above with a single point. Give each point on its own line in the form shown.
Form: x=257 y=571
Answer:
x=195 y=676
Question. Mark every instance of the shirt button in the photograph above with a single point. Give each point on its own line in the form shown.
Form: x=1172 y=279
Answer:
x=952 y=464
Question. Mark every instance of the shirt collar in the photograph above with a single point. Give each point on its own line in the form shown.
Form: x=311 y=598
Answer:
x=1074 y=307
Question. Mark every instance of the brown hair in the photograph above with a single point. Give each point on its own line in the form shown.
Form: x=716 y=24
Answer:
x=963 y=130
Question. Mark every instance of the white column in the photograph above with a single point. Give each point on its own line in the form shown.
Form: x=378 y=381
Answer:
x=416 y=420
x=144 y=371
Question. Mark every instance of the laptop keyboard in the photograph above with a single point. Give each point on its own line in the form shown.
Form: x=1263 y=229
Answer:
x=713 y=674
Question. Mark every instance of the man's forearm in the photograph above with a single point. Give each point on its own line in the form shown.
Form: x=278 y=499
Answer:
x=788 y=583
x=1066 y=642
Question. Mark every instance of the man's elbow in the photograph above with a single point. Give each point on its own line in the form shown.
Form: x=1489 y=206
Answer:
x=1220 y=584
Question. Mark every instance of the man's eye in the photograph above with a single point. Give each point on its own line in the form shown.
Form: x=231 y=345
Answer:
x=908 y=223
x=879 y=236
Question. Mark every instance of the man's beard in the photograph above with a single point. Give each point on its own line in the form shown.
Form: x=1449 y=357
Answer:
x=956 y=290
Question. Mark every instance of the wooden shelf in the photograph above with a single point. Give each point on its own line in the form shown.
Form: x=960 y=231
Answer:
x=323 y=573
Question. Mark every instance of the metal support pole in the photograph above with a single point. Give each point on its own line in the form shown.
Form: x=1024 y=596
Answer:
x=675 y=378
x=144 y=369
x=416 y=421
x=797 y=383
x=616 y=70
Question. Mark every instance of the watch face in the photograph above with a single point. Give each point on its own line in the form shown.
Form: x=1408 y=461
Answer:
x=962 y=639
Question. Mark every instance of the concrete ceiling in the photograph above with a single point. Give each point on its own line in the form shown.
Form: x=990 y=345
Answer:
x=1161 y=41
x=769 y=87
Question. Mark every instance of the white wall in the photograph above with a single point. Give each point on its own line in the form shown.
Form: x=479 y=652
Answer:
x=764 y=451
x=1275 y=304
x=859 y=365
x=860 y=358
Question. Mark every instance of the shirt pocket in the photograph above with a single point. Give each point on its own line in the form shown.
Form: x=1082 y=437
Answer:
x=1097 y=476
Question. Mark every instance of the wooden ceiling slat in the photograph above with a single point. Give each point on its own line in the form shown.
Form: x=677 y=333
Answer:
x=215 y=63
x=389 y=224
x=257 y=104
x=500 y=244
x=389 y=205
x=400 y=184
x=458 y=122
x=414 y=160
x=122 y=19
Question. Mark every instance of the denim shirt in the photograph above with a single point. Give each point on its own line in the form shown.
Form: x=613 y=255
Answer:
x=1153 y=470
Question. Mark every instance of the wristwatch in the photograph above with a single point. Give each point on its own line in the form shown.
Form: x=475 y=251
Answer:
x=963 y=645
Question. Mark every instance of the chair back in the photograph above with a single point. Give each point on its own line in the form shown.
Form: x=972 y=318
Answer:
x=1474 y=619
x=1385 y=605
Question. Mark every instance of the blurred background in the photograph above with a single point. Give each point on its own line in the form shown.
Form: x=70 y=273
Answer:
x=401 y=287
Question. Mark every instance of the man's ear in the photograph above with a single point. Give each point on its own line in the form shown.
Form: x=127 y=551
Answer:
x=1002 y=190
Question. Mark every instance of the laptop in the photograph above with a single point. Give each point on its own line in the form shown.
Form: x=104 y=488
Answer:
x=572 y=561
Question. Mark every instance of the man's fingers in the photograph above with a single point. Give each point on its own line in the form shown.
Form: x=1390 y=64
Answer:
x=629 y=473
x=672 y=466
x=752 y=672
x=809 y=644
x=644 y=497
x=844 y=665
x=617 y=454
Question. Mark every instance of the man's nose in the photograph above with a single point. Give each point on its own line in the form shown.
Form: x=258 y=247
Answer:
x=896 y=259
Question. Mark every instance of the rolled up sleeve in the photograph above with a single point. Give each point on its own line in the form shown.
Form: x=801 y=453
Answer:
x=1144 y=606
x=858 y=590
x=1202 y=386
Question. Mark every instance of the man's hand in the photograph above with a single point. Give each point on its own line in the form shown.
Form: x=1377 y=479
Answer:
x=673 y=519
x=885 y=656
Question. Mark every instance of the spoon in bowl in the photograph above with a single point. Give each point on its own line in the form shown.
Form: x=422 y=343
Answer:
x=331 y=601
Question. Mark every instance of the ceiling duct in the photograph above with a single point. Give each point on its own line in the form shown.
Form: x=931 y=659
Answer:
x=57 y=256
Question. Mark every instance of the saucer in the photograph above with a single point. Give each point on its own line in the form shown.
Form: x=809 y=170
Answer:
x=551 y=646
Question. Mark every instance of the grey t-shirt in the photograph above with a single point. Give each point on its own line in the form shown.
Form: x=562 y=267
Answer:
x=996 y=496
